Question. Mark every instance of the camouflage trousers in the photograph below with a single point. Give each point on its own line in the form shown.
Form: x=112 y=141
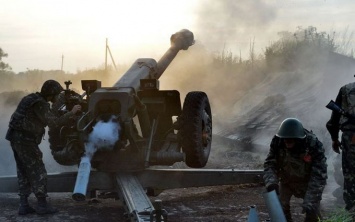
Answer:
x=286 y=192
x=31 y=172
x=348 y=165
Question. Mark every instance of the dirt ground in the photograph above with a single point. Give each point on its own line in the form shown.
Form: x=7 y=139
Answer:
x=220 y=203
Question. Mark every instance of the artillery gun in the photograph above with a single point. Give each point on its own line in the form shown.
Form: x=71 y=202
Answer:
x=135 y=99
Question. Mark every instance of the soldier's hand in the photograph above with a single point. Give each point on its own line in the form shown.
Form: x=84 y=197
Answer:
x=336 y=146
x=76 y=109
x=272 y=187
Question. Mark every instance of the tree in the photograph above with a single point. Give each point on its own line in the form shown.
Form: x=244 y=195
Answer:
x=3 y=66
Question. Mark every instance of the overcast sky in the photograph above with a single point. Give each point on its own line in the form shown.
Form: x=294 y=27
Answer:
x=36 y=33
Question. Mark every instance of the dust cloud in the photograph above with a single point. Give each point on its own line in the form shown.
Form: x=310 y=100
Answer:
x=254 y=101
x=235 y=25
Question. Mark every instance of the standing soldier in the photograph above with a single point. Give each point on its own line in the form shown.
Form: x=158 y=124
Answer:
x=346 y=123
x=26 y=130
x=296 y=166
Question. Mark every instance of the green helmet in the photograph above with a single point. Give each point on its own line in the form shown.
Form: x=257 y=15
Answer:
x=291 y=128
x=51 y=88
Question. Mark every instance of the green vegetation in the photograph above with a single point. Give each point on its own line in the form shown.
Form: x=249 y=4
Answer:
x=339 y=215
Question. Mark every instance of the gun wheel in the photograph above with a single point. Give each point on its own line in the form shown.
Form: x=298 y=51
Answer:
x=196 y=130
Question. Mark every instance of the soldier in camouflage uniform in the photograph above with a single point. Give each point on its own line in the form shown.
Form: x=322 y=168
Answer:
x=296 y=166
x=26 y=130
x=345 y=100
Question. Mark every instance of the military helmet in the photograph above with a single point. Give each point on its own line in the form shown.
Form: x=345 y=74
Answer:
x=51 y=88
x=291 y=128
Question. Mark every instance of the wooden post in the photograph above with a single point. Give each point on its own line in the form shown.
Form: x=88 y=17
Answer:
x=106 y=56
x=61 y=68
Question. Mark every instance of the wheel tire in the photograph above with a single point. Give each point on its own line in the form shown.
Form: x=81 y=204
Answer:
x=196 y=129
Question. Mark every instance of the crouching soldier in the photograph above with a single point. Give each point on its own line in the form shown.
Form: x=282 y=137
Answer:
x=296 y=166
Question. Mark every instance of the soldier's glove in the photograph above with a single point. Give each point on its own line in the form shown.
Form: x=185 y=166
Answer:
x=272 y=187
x=336 y=145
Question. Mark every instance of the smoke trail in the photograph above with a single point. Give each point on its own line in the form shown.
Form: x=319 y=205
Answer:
x=103 y=136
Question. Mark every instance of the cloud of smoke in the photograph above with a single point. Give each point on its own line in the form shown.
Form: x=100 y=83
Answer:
x=233 y=23
x=305 y=91
x=103 y=136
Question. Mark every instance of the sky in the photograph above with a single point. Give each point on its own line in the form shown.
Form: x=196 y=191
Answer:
x=37 y=34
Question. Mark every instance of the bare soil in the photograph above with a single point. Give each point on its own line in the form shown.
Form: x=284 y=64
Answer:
x=222 y=203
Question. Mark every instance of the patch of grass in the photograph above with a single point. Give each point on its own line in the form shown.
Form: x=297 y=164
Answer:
x=339 y=215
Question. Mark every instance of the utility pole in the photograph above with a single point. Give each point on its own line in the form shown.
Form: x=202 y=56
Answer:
x=106 y=56
x=61 y=68
x=113 y=61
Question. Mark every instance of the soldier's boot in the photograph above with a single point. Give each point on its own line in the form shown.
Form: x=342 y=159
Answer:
x=25 y=207
x=350 y=207
x=287 y=212
x=289 y=217
x=43 y=207
x=312 y=217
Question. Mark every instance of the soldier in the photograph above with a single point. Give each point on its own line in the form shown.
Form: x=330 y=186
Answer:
x=345 y=100
x=296 y=166
x=26 y=130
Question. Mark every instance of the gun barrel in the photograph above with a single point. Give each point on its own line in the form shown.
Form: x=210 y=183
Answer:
x=82 y=179
x=181 y=40
x=146 y=68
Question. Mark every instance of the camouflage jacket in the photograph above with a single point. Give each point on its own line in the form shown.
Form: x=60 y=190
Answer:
x=32 y=115
x=346 y=100
x=303 y=167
